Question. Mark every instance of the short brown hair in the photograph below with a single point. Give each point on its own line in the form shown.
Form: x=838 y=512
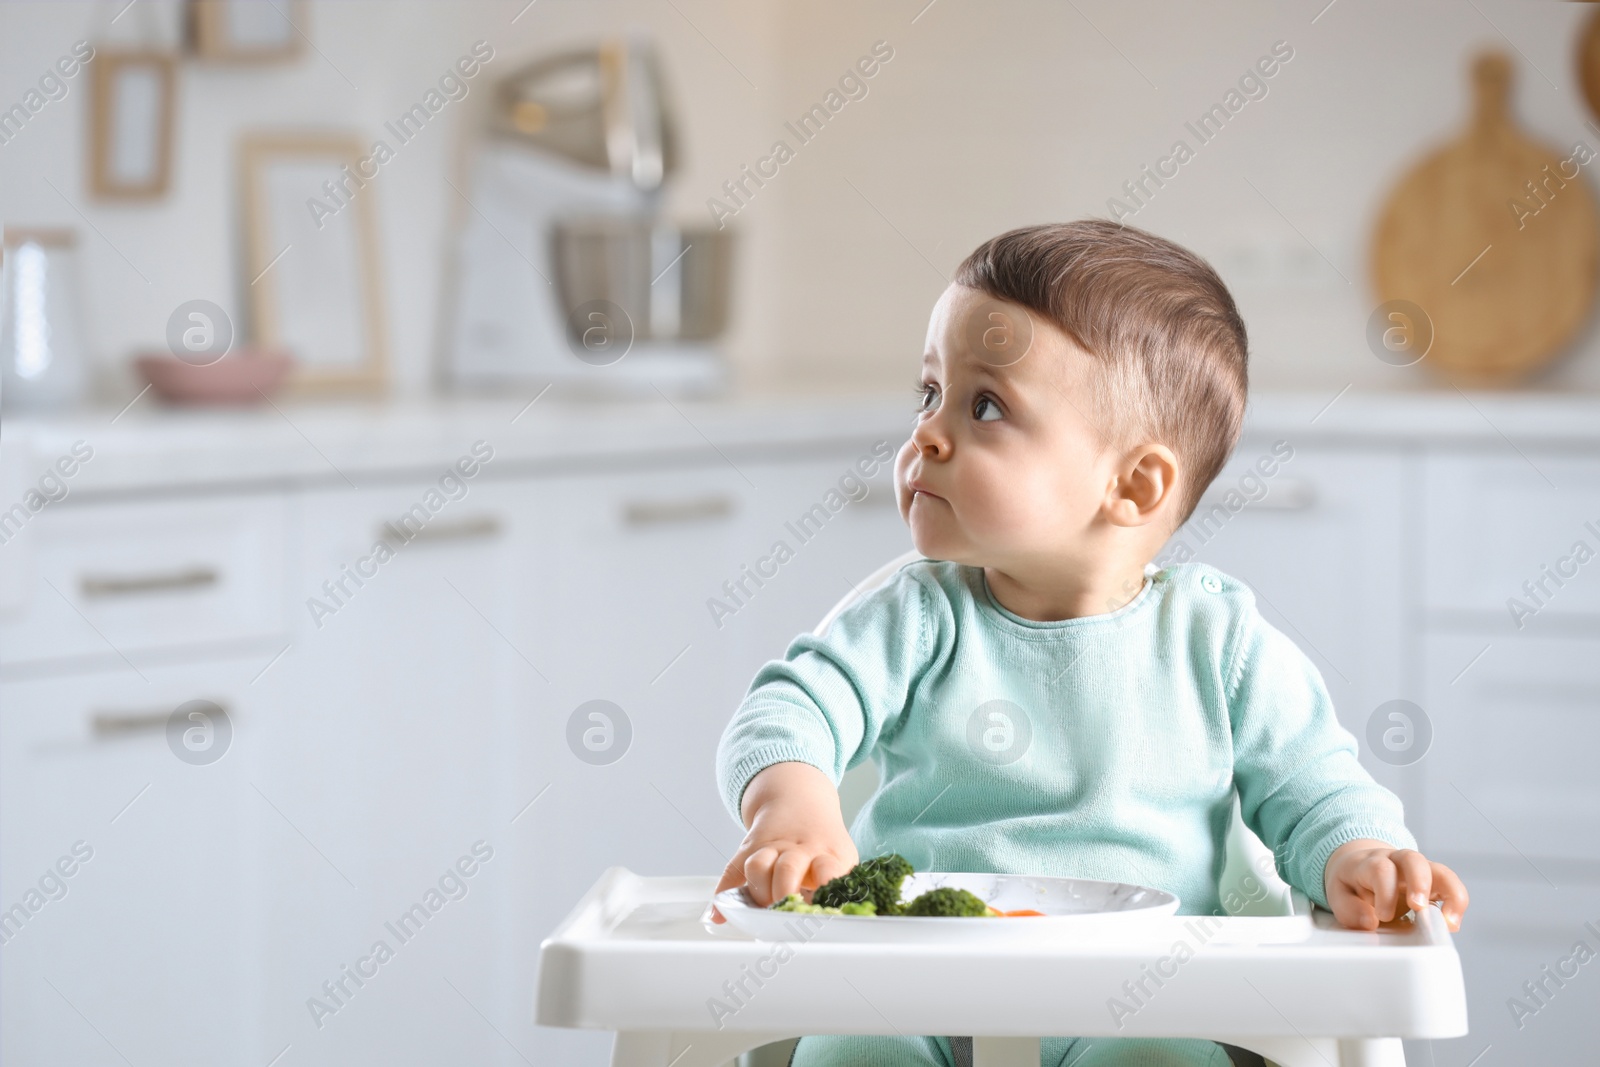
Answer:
x=1156 y=316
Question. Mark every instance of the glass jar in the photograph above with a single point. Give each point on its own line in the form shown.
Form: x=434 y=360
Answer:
x=41 y=357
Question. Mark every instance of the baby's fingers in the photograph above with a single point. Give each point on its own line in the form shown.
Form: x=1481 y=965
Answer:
x=733 y=875
x=826 y=867
x=1416 y=876
x=788 y=873
x=1381 y=877
x=1352 y=907
x=759 y=868
x=1451 y=893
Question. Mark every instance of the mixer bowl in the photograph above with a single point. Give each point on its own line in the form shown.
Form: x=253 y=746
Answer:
x=672 y=283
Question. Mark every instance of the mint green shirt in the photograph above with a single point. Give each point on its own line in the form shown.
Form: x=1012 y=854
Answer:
x=1107 y=746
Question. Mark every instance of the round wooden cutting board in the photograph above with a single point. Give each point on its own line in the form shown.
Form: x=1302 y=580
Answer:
x=1493 y=236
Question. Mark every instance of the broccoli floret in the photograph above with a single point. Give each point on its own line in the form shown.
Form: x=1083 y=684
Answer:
x=795 y=902
x=947 y=901
x=877 y=881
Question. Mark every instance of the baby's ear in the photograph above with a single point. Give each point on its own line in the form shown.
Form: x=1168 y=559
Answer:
x=1146 y=486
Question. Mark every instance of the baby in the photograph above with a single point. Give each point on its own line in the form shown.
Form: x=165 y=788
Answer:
x=1038 y=697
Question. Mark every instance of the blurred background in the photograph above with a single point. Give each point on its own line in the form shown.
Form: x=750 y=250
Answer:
x=403 y=404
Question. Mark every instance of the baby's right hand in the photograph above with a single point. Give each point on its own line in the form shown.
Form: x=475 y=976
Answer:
x=797 y=837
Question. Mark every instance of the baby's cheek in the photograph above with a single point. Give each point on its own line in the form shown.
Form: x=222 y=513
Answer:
x=1021 y=506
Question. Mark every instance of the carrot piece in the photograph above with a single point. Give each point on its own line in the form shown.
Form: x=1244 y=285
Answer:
x=1022 y=911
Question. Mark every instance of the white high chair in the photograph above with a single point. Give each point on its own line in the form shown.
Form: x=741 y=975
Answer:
x=640 y=957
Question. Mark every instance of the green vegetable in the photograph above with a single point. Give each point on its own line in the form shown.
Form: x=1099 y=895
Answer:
x=876 y=881
x=947 y=901
x=873 y=887
x=795 y=902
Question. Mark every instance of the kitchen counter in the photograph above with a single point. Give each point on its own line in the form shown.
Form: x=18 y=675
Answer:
x=154 y=447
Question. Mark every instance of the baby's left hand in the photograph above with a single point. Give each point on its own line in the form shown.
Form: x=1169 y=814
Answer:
x=1368 y=882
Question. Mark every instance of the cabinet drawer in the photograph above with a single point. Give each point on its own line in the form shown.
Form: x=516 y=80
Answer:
x=1493 y=523
x=114 y=580
x=1510 y=771
x=153 y=918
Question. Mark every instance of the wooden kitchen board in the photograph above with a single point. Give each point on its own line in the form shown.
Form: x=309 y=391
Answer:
x=1505 y=286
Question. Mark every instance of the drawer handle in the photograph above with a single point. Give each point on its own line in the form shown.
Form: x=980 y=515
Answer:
x=114 y=725
x=1284 y=496
x=109 y=725
x=159 y=582
x=478 y=528
x=651 y=513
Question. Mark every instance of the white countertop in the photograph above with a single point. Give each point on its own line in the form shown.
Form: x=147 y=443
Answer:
x=155 y=447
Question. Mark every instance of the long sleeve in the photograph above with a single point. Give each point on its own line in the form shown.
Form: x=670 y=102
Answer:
x=1301 y=788
x=830 y=698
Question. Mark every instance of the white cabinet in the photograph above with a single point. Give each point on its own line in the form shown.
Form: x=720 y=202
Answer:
x=403 y=715
x=636 y=556
x=388 y=765
x=1511 y=802
x=1501 y=522
x=131 y=924
x=1513 y=699
x=828 y=551
x=1510 y=777
x=618 y=731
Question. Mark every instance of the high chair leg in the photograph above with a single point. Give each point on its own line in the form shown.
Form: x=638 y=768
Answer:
x=1323 y=1051
x=1373 y=1052
x=1287 y=1051
x=1005 y=1051
x=661 y=1048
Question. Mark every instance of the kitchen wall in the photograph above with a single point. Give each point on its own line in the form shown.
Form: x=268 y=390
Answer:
x=986 y=117
x=992 y=116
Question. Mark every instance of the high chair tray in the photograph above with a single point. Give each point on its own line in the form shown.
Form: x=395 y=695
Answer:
x=639 y=954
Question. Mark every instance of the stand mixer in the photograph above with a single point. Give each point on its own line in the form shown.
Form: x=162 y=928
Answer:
x=565 y=272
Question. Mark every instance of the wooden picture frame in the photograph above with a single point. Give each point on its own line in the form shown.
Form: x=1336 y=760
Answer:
x=311 y=260
x=244 y=31
x=132 y=100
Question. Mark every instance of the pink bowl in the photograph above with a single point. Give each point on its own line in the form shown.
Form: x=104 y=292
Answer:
x=243 y=376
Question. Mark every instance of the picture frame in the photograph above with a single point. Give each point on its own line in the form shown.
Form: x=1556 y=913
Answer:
x=132 y=100
x=245 y=31
x=312 y=270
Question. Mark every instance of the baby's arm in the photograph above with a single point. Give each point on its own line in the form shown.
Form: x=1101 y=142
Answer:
x=1337 y=835
x=807 y=719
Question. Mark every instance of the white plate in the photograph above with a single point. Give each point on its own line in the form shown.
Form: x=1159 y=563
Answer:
x=1071 y=906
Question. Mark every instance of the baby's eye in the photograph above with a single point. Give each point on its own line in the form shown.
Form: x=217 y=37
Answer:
x=927 y=392
x=981 y=404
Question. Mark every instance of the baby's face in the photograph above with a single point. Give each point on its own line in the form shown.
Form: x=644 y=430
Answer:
x=1004 y=465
